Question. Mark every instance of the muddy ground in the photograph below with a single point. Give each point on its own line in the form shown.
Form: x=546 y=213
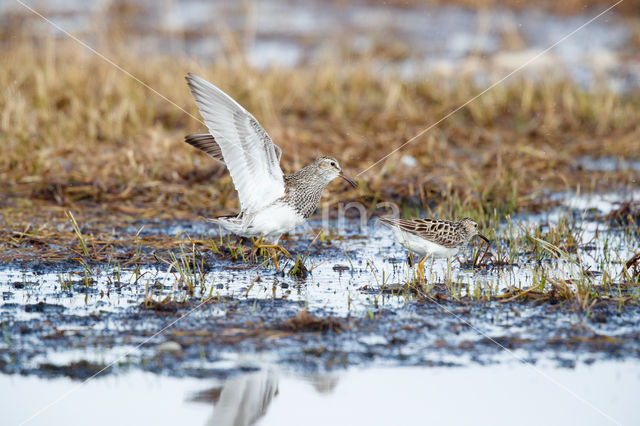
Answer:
x=423 y=333
x=357 y=306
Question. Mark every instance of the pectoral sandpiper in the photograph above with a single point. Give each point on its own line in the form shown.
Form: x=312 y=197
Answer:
x=433 y=237
x=270 y=202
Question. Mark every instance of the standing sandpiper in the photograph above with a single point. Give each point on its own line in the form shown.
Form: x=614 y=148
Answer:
x=433 y=237
x=270 y=202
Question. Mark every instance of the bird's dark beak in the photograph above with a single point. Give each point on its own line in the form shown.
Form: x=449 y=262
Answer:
x=484 y=238
x=348 y=179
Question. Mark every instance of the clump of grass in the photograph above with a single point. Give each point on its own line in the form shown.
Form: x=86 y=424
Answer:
x=566 y=235
x=165 y=305
x=299 y=270
x=305 y=321
x=190 y=269
x=627 y=215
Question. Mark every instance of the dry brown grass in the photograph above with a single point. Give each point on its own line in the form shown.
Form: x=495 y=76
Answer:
x=566 y=7
x=77 y=133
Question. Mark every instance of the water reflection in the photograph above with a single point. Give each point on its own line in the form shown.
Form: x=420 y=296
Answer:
x=242 y=400
x=589 y=394
x=324 y=384
x=497 y=394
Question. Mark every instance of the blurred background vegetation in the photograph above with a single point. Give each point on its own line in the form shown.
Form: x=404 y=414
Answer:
x=351 y=79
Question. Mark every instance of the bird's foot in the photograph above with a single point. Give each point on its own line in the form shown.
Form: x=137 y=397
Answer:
x=277 y=247
x=272 y=249
x=282 y=250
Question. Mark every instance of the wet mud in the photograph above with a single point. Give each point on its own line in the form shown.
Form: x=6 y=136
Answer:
x=422 y=334
x=358 y=304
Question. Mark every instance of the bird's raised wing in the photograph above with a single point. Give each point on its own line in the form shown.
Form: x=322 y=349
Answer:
x=207 y=144
x=249 y=153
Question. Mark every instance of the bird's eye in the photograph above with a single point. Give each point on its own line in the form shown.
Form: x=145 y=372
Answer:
x=333 y=163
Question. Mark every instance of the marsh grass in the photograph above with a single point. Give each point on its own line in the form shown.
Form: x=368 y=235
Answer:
x=567 y=7
x=78 y=135
x=551 y=262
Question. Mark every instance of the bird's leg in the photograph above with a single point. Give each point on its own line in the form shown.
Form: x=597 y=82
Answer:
x=272 y=249
x=274 y=257
x=257 y=245
x=420 y=270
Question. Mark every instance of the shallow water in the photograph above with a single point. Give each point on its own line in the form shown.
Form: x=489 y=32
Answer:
x=416 y=358
x=509 y=393
x=348 y=273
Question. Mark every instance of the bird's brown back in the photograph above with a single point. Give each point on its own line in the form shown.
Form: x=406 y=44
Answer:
x=444 y=232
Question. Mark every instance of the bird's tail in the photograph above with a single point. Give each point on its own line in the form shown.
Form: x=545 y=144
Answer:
x=232 y=224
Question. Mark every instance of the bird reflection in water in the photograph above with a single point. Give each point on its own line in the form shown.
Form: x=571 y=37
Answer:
x=242 y=400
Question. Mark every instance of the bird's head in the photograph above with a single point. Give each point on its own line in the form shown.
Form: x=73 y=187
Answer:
x=329 y=169
x=472 y=229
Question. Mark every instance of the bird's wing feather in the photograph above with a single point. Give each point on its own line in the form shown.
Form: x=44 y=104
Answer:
x=437 y=231
x=206 y=143
x=247 y=150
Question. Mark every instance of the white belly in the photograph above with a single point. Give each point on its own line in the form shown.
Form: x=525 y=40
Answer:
x=275 y=220
x=421 y=246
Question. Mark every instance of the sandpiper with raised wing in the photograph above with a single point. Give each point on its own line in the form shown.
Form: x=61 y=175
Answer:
x=271 y=203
